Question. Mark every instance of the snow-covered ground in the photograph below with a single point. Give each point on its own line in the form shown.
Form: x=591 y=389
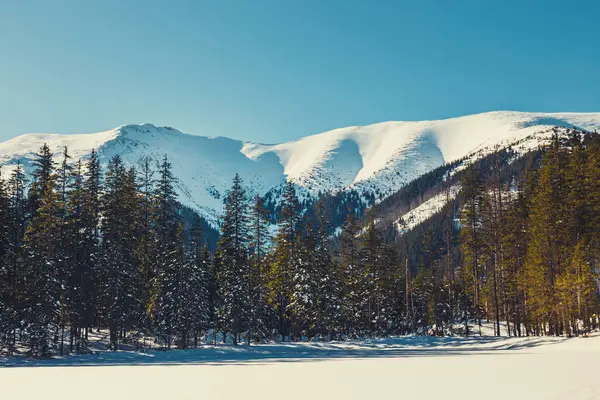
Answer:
x=410 y=367
x=426 y=209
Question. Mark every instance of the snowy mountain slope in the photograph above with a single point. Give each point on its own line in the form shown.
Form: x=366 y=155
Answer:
x=385 y=156
x=426 y=209
x=378 y=158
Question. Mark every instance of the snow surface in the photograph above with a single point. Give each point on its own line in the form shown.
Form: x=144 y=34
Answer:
x=426 y=209
x=379 y=158
x=410 y=367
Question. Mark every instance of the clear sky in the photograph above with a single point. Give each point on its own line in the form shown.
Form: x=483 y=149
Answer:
x=272 y=71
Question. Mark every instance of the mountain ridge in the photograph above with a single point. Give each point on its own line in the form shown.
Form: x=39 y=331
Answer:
x=378 y=158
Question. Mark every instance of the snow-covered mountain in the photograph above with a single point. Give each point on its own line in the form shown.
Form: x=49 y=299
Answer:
x=378 y=158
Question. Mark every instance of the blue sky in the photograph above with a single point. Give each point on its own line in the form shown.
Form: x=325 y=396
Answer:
x=272 y=71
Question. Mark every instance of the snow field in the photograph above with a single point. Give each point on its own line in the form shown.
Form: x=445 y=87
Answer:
x=411 y=367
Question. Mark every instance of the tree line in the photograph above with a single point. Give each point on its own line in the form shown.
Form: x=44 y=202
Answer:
x=519 y=246
x=84 y=249
x=532 y=248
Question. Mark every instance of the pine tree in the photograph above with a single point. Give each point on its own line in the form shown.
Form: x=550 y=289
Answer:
x=493 y=221
x=120 y=283
x=197 y=298
x=147 y=251
x=43 y=175
x=373 y=319
x=233 y=268
x=329 y=281
x=547 y=252
x=170 y=257
x=41 y=296
x=13 y=262
x=75 y=247
x=66 y=251
x=471 y=242
x=91 y=259
x=8 y=285
x=352 y=274
x=303 y=303
x=259 y=315
x=514 y=244
x=285 y=258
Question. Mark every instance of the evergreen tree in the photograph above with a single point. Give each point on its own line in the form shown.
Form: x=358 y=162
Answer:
x=329 y=281
x=197 y=275
x=91 y=259
x=74 y=239
x=43 y=175
x=259 y=315
x=13 y=262
x=373 y=318
x=303 y=303
x=285 y=258
x=41 y=297
x=120 y=283
x=233 y=268
x=547 y=251
x=352 y=275
x=471 y=242
x=147 y=248
x=170 y=257
x=8 y=285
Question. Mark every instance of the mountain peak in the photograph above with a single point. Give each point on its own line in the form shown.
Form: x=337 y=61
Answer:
x=146 y=129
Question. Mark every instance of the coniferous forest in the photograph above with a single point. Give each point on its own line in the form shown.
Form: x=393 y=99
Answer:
x=84 y=248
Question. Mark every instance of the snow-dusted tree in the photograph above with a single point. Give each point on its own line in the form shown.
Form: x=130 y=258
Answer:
x=91 y=264
x=66 y=248
x=120 y=284
x=169 y=256
x=305 y=280
x=373 y=319
x=233 y=267
x=41 y=272
x=8 y=285
x=192 y=289
x=259 y=315
x=285 y=255
x=352 y=275
x=146 y=251
x=13 y=260
x=199 y=277
x=329 y=281
x=73 y=240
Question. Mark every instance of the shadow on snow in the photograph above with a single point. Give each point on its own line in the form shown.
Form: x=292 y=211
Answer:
x=221 y=355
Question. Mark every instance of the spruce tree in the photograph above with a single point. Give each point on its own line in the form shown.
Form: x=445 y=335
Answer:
x=8 y=285
x=259 y=315
x=91 y=257
x=120 y=285
x=41 y=297
x=472 y=243
x=233 y=269
x=352 y=275
x=329 y=281
x=547 y=253
x=197 y=298
x=14 y=260
x=169 y=250
x=285 y=258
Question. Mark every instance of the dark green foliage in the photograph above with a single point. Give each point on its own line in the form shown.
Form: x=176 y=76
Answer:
x=520 y=245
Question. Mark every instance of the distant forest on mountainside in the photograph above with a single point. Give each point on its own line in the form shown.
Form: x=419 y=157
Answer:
x=83 y=248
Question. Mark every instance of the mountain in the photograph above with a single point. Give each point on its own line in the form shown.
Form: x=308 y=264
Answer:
x=376 y=159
